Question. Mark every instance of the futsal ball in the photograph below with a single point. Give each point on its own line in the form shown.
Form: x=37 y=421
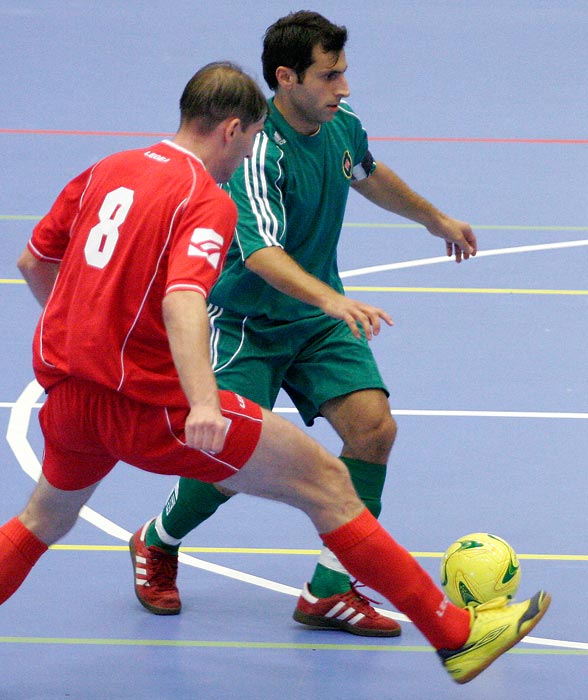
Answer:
x=479 y=567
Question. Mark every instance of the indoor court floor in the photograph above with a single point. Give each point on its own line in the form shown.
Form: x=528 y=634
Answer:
x=482 y=108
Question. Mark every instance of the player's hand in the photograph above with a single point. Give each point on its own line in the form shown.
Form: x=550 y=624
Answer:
x=206 y=429
x=357 y=315
x=460 y=240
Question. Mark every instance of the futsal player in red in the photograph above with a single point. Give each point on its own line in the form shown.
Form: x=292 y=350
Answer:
x=122 y=265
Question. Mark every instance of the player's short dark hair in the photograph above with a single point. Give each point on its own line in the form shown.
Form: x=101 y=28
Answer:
x=218 y=91
x=289 y=42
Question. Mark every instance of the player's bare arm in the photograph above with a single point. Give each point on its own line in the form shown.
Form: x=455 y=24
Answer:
x=186 y=321
x=40 y=275
x=283 y=273
x=384 y=188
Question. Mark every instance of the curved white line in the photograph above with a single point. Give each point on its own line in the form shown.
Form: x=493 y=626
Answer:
x=16 y=436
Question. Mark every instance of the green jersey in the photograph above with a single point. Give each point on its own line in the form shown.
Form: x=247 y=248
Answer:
x=291 y=193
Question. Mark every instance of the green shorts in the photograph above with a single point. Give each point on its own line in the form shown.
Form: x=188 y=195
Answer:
x=313 y=359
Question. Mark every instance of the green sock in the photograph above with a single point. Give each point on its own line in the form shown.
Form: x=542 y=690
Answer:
x=189 y=504
x=368 y=480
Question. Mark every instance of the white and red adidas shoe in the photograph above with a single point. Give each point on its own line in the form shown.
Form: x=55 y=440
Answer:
x=155 y=574
x=350 y=611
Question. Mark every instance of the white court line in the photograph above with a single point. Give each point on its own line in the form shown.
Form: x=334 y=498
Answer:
x=551 y=415
x=467 y=414
x=16 y=436
x=20 y=418
x=446 y=258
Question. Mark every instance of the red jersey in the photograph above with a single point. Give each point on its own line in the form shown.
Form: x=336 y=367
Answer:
x=127 y=231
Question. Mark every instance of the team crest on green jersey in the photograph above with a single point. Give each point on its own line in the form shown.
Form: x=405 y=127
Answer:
x=347 y=165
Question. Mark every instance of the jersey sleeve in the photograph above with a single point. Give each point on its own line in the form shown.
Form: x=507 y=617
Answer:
x=363 y=161
x=201 y=241
x=256 y=189
x=51 y=235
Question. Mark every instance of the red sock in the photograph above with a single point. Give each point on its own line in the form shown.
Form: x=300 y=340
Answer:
x=368 y=552
x=20 y=550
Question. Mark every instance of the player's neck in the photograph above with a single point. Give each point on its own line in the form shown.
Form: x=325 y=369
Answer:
x=295 y=119
x=187 y=141
x=202 y=148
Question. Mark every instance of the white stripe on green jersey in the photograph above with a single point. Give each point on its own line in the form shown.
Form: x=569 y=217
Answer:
x=291 y=193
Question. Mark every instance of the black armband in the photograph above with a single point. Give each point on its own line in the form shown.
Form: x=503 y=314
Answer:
x=365 y=168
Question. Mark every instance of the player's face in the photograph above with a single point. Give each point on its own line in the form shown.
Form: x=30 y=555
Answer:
x=316 y=99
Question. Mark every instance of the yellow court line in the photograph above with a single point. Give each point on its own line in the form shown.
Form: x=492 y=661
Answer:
x=269 y=646
x=536 y=557
x=373 y=224
x=207 y=550
x=469 y=290
x=299 y=552
x=432 y=290
x=209 y=644
x=20 y=217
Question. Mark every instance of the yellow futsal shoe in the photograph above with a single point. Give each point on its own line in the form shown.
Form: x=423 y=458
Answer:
x=495 y=628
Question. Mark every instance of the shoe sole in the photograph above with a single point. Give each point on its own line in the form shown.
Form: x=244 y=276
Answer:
x=543 y=600
x=152 y=608
x=318 y=622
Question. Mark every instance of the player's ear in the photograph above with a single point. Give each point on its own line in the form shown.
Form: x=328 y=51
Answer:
x=286 y=77
x=232 y=127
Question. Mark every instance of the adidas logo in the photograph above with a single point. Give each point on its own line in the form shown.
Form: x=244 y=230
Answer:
x=141 y=571
x=342 y=611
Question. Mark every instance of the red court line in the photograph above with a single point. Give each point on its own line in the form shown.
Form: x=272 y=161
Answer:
x=69 y=132
x=157 y=134
x=475 y=139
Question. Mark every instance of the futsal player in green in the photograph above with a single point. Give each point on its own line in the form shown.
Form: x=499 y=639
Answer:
x=279 y=317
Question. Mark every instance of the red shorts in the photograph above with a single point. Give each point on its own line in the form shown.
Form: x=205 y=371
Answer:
x=89 y=428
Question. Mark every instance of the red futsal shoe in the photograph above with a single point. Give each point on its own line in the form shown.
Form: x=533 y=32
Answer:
x=350 y=612
x=155 y=576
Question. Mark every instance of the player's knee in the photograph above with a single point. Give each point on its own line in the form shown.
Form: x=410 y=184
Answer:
x=387 y=431
x=373 y=437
